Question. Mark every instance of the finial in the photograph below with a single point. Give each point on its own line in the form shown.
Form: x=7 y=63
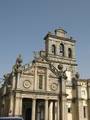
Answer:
x=77 y=75
x=19 y=60
x=16 y=67
x=60 y=66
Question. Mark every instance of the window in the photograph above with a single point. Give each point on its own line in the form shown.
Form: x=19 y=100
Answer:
x=54 y=49
x=69 y=110
x=69 y=53
x=84 y=111
x=40 y=81
x=62 y=49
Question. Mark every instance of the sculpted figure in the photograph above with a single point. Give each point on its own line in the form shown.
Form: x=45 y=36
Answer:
x=18 y=64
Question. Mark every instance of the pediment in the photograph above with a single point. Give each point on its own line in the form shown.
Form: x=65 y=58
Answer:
x=29 y=70
x=28 y=73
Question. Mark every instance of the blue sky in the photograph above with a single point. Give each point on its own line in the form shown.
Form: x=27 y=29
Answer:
x=24 y=23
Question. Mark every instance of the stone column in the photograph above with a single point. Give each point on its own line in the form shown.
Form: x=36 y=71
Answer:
x=51 y=110
x=63 y=110
x=58 y=111
x=65 y=51
x=88 y=93
x=46 y=109
x=74 y=108
x=63 y=100
x=20 y=106
x=33 y=109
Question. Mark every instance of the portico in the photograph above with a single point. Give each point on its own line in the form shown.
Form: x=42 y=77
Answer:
x=40 y=109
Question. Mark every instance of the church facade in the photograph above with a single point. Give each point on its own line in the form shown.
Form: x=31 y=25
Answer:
x=49 y=88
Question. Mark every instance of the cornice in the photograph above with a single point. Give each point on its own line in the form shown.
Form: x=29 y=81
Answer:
x=63 y=62
x=57 y=37
x=37 y=92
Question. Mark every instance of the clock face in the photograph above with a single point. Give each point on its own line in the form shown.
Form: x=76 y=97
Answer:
x=27 y=84
x=54 y=86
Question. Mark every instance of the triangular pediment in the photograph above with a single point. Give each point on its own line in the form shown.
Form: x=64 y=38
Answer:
x=28 y=70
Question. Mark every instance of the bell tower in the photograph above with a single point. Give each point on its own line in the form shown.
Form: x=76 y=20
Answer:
x=60 y=49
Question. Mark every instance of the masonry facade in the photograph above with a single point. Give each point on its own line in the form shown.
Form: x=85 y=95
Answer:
x=49 y=88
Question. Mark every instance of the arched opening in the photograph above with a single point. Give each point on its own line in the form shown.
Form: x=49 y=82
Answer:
x=61 y=49
x=27 y=108
x=53 y=49
x=69 y=53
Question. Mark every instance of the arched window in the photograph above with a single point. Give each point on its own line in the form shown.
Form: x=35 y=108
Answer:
x=54 y=49
x=61 y=49
x=69 y=53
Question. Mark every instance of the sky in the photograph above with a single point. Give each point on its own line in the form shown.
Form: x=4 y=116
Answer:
x=24 y=23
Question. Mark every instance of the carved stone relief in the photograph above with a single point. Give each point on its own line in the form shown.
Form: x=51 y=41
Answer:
x=27 y=84
x=54 y=86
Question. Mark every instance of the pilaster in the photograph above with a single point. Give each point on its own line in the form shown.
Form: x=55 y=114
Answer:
x=79 y=102
x=35 y=77
x=13 y=82
x=11 y=108
x=18 y=105
x=46 y=80
x=19 y=80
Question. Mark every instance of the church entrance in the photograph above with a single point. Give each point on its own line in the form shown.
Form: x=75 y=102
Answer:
x=40 y=110
x=27 y=109
x=28 y=114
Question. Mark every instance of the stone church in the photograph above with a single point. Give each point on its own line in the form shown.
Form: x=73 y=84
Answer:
x=49 y=88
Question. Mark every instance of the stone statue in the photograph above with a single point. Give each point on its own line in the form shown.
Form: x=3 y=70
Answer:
x=19 y=60
x=77 y=75
x=18 y=64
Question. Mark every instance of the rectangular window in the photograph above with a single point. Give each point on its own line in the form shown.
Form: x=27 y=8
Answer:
x=40 y=81
x=84 y=111
x=69 y=110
